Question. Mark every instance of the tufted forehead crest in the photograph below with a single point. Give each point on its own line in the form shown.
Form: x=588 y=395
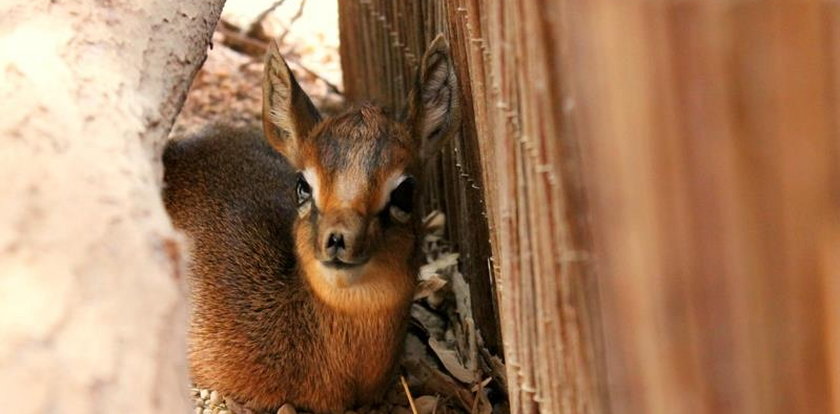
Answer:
x=361 y=140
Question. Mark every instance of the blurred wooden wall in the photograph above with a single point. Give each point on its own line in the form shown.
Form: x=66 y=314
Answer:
x=711 y=143
x=661 y=187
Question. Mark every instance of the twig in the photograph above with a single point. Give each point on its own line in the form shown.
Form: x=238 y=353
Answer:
x=242 y=43
x=256 y=48
x=481 y=384
x=332 y=87
x=408 y=394
x=293 y=20
x=496 y=368
x=478 y=396
x=474 y=408
x=254 y=27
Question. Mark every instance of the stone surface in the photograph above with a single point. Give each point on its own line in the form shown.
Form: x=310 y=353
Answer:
x=287 y=409
x=91 y=299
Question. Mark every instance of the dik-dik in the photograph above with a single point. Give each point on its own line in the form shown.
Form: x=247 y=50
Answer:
x=304 y=241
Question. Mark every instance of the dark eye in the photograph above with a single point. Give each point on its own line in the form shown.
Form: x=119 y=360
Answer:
x=303 y=190
x=402 y=197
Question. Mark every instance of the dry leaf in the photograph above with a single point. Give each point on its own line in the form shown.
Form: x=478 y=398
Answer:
x=416 y=350
x=428 y=287
x=434 y=223
x=431 y=381
x=496 y=368
x=431 y=323
x=462 y=295
x=444 y=262
x=449 y=357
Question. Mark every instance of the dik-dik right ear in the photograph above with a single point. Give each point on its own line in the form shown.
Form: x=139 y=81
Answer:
x=434 y=114
x=288 y=114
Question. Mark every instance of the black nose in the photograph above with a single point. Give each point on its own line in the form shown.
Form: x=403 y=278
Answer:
x=335 y=243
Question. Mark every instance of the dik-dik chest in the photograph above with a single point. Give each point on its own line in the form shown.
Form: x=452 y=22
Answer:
x=363 y=325
x=364 y=349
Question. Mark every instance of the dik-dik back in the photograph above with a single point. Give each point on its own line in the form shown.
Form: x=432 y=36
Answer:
x=304 y=241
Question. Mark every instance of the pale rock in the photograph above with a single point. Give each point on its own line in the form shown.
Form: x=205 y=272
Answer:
x=426 y=404
x=287 y=409
x=215 y=398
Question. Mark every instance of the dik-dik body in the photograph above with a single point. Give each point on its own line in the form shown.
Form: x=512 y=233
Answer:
x=304 y=241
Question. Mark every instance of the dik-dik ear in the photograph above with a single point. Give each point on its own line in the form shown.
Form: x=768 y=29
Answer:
x=434 y=114
x=288 y=114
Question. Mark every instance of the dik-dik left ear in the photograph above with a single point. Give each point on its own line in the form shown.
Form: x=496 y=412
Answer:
x=288 y=114
x=434 y=114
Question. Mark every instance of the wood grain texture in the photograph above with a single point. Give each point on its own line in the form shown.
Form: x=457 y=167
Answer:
x=711 y=164
x=92 y=293
x=515 y=153
x=661 y=186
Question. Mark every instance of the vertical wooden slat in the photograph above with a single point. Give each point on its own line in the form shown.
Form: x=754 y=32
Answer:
x=830 y=237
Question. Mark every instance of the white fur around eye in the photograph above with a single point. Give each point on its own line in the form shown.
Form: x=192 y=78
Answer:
x=311 y=178
x=393 y=182
x=304 y=209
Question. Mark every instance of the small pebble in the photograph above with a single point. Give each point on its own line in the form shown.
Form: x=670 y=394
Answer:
x=215 y=398
x=287 y=409
x=207 y=411
x=426 y=404
x=204 y=394
x=199 y=403
x=198 y=410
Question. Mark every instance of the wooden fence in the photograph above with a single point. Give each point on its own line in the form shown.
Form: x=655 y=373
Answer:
x=659 y=185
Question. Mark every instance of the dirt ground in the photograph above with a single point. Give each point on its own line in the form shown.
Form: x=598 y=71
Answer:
x=445 y=368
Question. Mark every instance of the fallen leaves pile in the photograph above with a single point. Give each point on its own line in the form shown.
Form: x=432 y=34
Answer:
x=445 y=356
x=445 y=367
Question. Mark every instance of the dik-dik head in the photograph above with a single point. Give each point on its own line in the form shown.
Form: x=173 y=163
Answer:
x=359 y=173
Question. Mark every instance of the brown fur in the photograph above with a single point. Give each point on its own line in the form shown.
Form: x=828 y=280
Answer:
x=270 y=324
